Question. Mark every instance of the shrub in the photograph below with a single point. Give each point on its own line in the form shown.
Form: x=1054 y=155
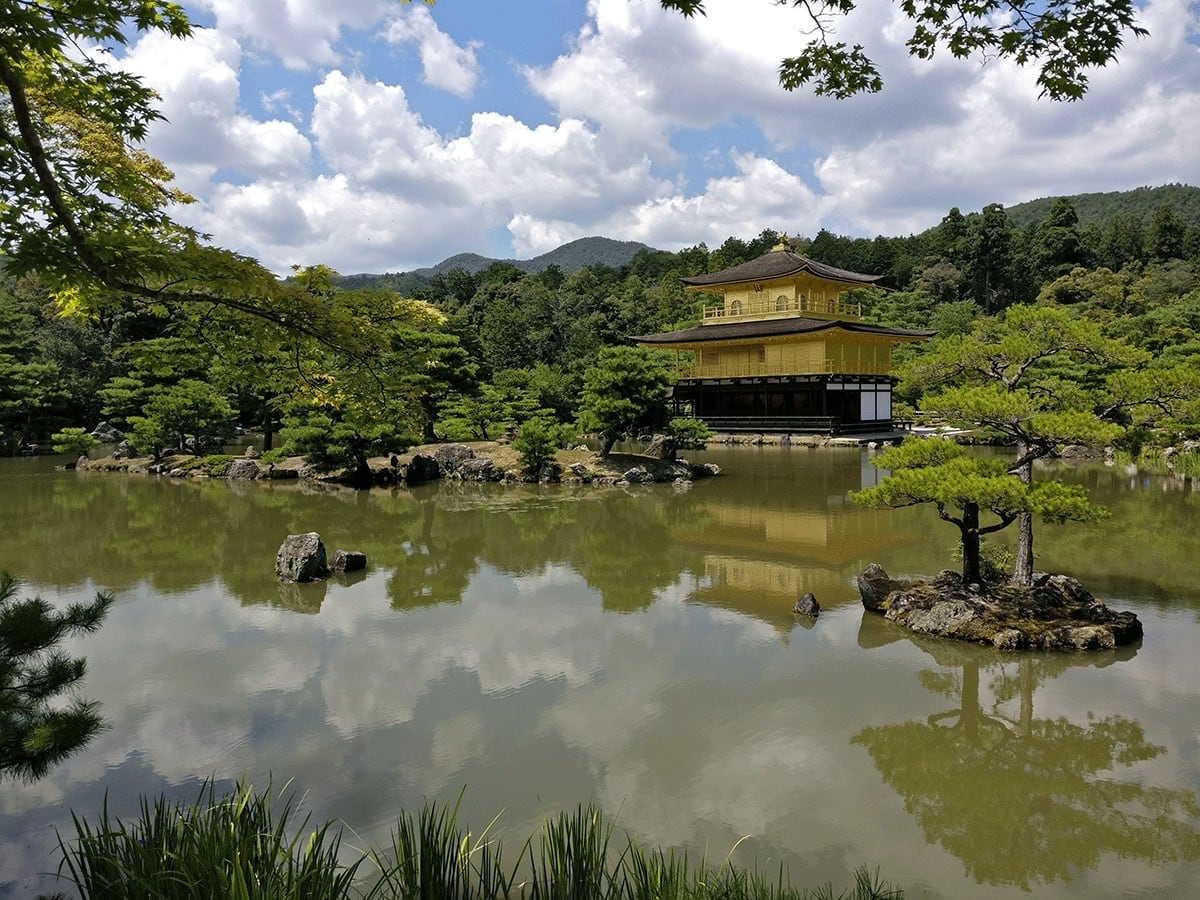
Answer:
x=689 y=432
x=75 y=441
x=538 y=440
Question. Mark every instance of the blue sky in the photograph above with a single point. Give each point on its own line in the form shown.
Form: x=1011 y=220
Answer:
x=376 y=136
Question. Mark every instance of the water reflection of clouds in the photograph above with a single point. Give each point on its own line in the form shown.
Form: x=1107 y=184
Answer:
x=693 y=721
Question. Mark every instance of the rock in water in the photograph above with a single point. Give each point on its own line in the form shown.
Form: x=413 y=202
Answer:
x=807 y=606
x=301 y=557
x=348 y=561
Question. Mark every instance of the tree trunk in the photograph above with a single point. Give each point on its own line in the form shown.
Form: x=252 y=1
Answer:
x=607 y=441
x=428 y=417
x=362 y=473
x=970 y=544
x=268 y=426
x=1023 y=568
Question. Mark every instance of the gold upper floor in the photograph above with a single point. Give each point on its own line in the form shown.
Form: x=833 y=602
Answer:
x=801 y=295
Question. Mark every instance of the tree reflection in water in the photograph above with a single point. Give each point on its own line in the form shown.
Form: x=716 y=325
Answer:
x=1023 y=800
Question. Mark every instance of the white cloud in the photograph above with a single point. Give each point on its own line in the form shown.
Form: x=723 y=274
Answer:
x=662 y=129
x=205 y=129
x=300 y=33
x=447 y=65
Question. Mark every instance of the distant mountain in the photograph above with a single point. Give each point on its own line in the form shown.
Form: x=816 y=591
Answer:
x=569 y=257
x=468 y=262
x=572 y=257
x=1097 y=209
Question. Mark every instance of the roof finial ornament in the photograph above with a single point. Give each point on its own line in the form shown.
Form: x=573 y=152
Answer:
x=782 y=243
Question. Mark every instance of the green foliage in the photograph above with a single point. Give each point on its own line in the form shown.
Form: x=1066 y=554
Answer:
x=432 y=859
x=428 y=366
x=25 y=380
x=190 y=409
x=689 y=432
x=1063 y=41
x=334 y=440
x=995 y=560
x=1038 y=376
x=75 y=441
x=625 y=390
x=539 y=438
x=961 y=487
x=237 y=846
x=512 y=398
x=41 y=722
x=245 y=845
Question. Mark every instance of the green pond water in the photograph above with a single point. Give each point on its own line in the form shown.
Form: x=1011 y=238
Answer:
x=545 y=646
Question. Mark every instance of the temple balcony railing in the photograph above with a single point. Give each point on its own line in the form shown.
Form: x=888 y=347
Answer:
x=760 y=310
x=685 y=370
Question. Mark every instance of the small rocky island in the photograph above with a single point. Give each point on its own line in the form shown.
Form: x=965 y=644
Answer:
x=1055 y=613
x=477 y=461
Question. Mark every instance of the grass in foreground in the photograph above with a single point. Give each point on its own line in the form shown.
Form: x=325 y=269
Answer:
x=253 y=845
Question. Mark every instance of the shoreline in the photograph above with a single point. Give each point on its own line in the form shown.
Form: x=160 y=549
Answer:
x=474 y=461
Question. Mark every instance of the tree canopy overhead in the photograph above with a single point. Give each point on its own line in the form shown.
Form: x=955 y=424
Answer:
x=85 y=207
x=1063 y=39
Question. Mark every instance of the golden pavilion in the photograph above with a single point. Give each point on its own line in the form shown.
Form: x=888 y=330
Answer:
x=784 y=352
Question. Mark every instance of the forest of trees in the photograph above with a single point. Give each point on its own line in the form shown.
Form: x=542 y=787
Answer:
x=464 y=353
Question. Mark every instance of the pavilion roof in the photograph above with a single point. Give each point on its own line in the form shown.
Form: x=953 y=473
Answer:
x=778 y=264
x=703 y=334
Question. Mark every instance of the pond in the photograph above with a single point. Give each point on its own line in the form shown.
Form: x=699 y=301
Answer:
x=537 y=647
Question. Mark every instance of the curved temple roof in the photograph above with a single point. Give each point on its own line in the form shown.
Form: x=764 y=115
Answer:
x=778 y=264
x=703 y=334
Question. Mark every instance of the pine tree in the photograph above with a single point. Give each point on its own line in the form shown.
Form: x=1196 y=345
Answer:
x=37 y=729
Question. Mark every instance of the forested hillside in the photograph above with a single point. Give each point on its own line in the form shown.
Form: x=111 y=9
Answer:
x=460 y=354
x=1097 y=209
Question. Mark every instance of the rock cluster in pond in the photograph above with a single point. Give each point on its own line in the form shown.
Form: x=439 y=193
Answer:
x=302 y=558
x=1055 y=613
x=484 y=461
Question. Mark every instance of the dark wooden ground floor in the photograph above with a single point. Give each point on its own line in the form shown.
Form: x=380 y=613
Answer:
x=789 y=404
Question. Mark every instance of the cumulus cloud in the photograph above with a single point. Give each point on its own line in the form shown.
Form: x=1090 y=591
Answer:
x=644 y=125
x=300 y=33
x=447 y=65
x=205 y=129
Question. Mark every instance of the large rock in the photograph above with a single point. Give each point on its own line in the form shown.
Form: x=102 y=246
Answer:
x=638 y=475
x=242 y=470
x=662 y=446
x=301 y=557
x=477 y=469
x=670 y=470
x=108 y=434
x=874 y=586
x=1056 y=613
x=450 y=457
x=422 y=468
